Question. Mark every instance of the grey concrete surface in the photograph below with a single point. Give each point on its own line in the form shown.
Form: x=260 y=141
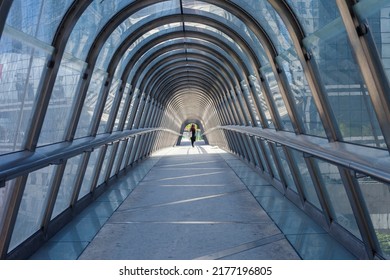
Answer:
x=191 y=205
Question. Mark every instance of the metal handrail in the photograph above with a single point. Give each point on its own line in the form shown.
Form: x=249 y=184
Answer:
x=15 y=164
x=361 y=159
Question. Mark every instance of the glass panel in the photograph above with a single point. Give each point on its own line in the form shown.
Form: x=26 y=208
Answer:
x=261 y=155
x=21 y=67
x=263 y=104
x=89 y=173
x=344 y=86
x=227 y=18
x=339 y=202
x=120 y=111
x=277 y=97
x=269 y=20
x=108 y=106
x=127 y=153
x=125 y=29
x=377 y=14
x=97 y=15
x=138 y=45
x=251 y=104
x=286 y=169
x=128 y=93
x=300 y=91
x=106 y=161
x=67 y=184
x=307 y=183
x=61 y=102
x=89 y=106
x=122 y=145
x=4 y=192
x=37 y=18
x=377 y=199
x=270 y=159
x=33 y=205
x=126 y=99
x=314 y=14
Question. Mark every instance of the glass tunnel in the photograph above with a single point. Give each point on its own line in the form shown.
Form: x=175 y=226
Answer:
x=298 y=89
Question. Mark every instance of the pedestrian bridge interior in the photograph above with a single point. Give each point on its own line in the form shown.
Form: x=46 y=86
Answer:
x=290 y=98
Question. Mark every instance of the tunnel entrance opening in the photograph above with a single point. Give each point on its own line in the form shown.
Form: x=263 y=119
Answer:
x=186 y=134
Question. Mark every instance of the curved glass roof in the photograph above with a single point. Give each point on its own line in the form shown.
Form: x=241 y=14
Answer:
x=297 y=85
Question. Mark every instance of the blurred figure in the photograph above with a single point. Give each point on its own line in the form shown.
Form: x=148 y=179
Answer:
x=193 y=131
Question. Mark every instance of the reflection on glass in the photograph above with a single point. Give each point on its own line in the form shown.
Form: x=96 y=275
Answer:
x=306 y=181
x=270 y=159
x=300 y=91
x=263 y=104
x=378 y=16
x=122 y=145
x=67 y=183
x=120 y=111
x=127 y=153
x=33 y=205
x=90 y=103
x=377 y=200
x=269 y=20
x=89 y=174
x=138 y=45
x=103 y=171
x=277 y=97
x=314 y=14
x=21 y=68
x=37 y=18
x=61 y=102
x=286 y=169
x=97 y=15
x=108 y=106
x=344 y=86
x=4 y=192
x=338 y=200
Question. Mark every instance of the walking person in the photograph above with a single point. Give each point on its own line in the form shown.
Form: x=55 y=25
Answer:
x=193 y=137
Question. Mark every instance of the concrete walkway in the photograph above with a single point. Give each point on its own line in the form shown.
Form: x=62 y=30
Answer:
x=192 y=203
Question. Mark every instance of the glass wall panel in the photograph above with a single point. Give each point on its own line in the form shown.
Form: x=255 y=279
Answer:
x=61 y=101
x=106 y=161
x=270 y=159
x=269 y=20
x=119 y=116
x=300 y=91
x=67 y=185
x=307 y=183
x=138 y=45
x=89 y=106
x=89 y=173
x=344 y=86
x=97 y=15
x=33 y=205
x=277 y=98
x=286 y=169
x=37 y=18
x=377 y=14
x=227 y=18
x=377 y=198
x=108 y=106
x=4 y=192
x=124 y=32
x=127 y=153
x=263 y=104
x=21 y=67
x=122 y=145
x=314 y=14
x=339 y=202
